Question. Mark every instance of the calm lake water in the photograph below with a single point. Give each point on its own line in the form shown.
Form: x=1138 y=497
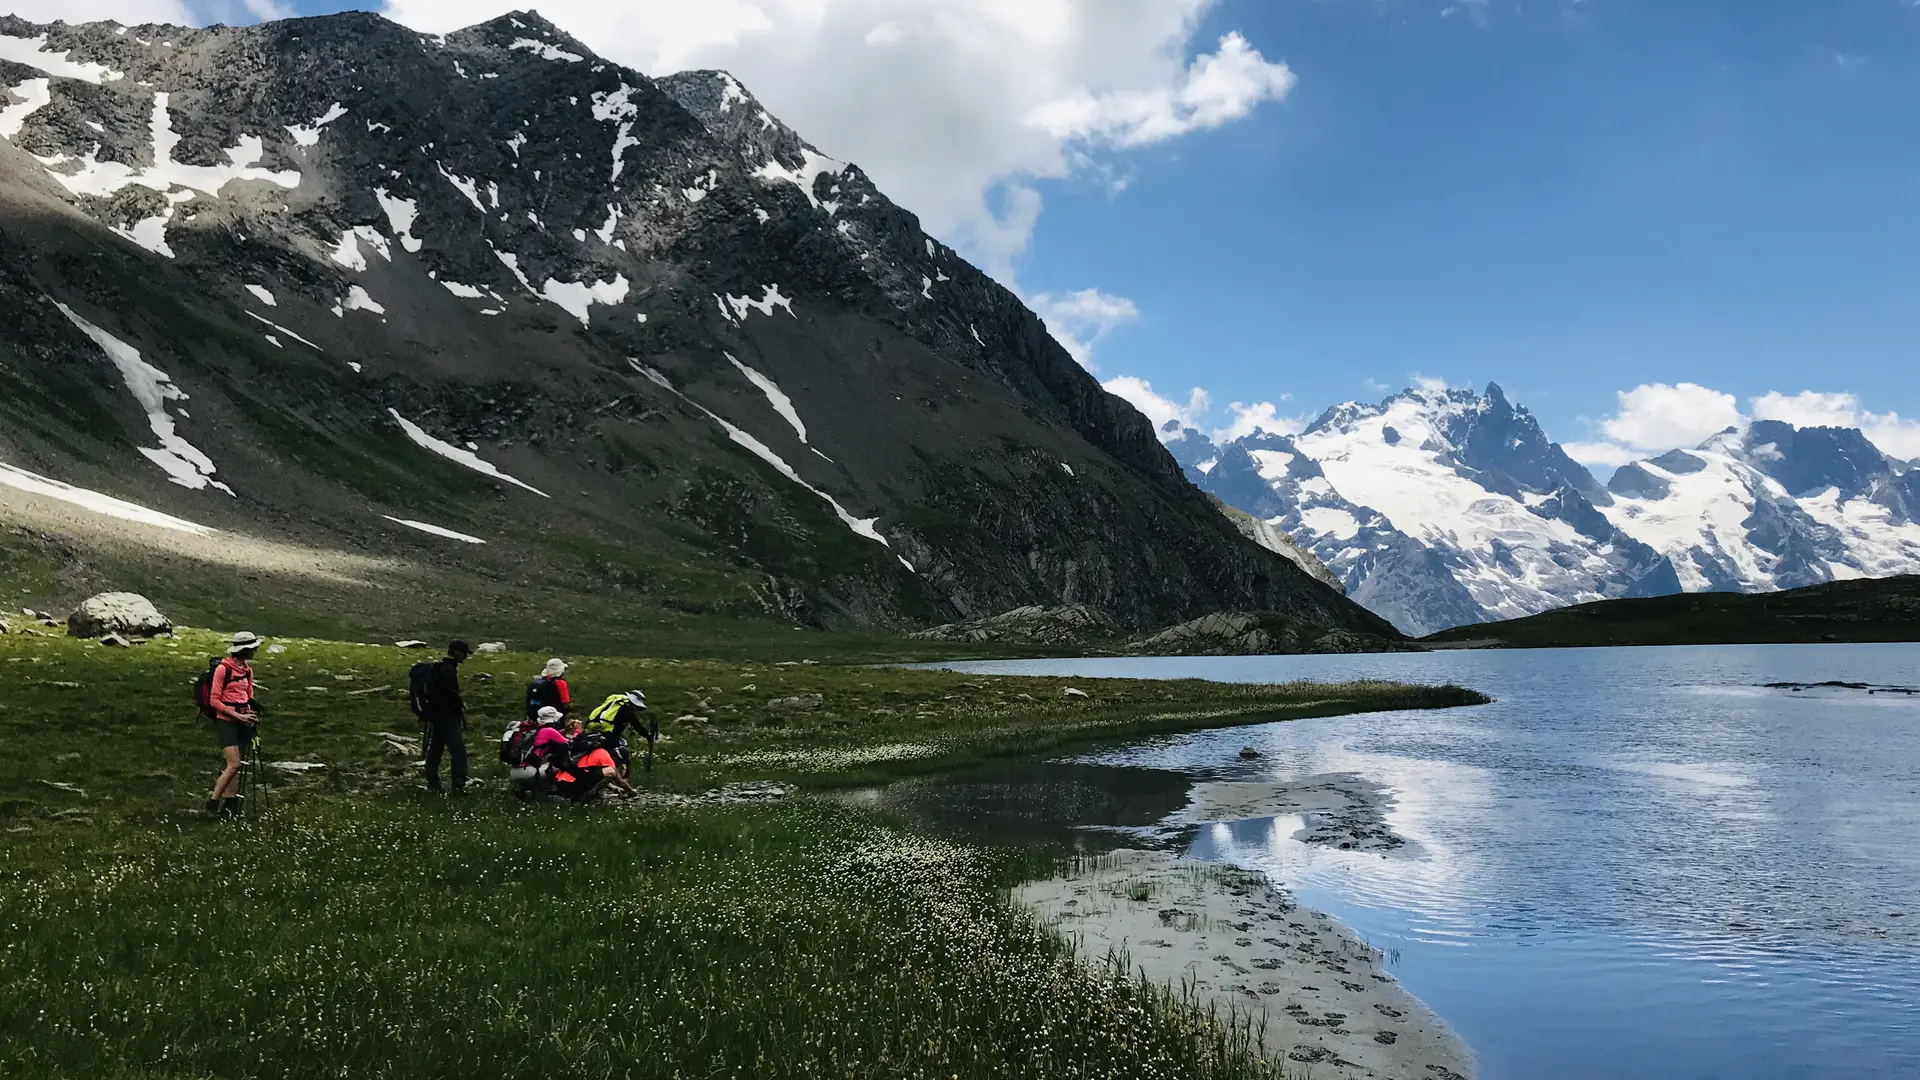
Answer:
x=1638 y=863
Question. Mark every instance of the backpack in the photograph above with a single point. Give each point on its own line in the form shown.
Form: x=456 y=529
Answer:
x=203 y=689
x=541 y=693
x=420 y=688
x=517 y=744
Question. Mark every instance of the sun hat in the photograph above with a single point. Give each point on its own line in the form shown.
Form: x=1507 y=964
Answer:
x=547 y=715
x=638 y=698
x=242 y=641
x=555 y=668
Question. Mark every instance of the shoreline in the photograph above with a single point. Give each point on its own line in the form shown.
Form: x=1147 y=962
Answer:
x=1315 y=991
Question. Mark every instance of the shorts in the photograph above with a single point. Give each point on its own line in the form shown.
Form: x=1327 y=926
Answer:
x=233 y=733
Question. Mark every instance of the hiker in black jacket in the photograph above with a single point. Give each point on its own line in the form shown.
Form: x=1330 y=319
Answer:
x=445 y=717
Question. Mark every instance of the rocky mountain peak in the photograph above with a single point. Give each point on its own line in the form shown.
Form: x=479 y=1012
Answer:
x=489 y=282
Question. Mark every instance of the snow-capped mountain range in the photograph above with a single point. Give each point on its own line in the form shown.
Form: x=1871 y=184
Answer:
x=1441 y=508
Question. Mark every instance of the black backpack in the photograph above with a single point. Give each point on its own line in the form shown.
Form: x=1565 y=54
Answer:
x=541 y=693
x=203 y=689
x=420 y=688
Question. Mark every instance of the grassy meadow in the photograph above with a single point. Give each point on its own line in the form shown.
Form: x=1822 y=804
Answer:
x=358 y=927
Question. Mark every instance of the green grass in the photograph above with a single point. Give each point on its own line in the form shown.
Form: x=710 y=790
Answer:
x=1870 y=610
x=360 y=928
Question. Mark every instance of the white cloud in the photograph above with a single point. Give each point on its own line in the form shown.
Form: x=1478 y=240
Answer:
x=1811 y=408
x=1655 y=417
x=1606 y=454
x=1080 y=319
x=1217 y=88
x=1433 y=384
x=954 y=107
x=1659 y=417
x=130 y=12
x=1259 y=416
x=1140 y=394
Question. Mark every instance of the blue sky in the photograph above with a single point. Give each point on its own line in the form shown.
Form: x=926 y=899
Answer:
x=1644 y=218
x=1571 y=200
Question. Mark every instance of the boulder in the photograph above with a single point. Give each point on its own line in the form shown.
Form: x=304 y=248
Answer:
x=128 y=615
x=492 y=647
x=803 y=703
x=410 y=644
x=115 y=641
x=1073 y=692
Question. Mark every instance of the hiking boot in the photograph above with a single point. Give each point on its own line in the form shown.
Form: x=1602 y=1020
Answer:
x=213 y=809
x=232 y=808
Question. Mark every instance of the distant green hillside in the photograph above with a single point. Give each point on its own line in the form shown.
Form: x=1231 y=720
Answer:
x=1880 y=609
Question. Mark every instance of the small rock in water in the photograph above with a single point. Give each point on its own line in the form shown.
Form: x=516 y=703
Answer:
x=1248 y=753
x=1073 y=692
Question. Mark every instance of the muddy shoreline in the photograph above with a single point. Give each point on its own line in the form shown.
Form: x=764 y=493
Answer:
x=1314 y=989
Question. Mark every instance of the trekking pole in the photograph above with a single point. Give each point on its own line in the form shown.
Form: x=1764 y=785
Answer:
x=653 y=736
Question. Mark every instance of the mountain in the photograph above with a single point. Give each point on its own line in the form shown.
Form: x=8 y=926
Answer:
x=1771 y=506
x=489 y=306
x=1446 y=508
x=1881 y=609
x=1435 y=508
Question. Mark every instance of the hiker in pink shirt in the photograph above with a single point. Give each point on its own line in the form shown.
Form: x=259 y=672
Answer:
x=230 y=709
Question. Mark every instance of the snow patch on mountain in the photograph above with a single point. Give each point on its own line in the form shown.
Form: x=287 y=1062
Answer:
x=776 y=397
x=735 y=308
x=34 y=95
x=33 y=53
x=309 y=134
x=184 y=463
x=436 y=530
x=456 y=454
x=577 y=297
x=35 y=484
x=813 y=166
x=863 y=527
x=546 y=50
x=401 y=214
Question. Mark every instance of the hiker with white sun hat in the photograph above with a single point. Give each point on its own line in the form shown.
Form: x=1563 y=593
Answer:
x=225 y=696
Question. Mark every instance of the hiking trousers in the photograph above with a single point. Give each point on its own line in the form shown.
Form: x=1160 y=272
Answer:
x=450 y=734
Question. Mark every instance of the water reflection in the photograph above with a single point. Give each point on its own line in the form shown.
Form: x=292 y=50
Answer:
x=1636 y=863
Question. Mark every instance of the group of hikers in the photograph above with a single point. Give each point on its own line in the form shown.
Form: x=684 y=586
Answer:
x=548 y=752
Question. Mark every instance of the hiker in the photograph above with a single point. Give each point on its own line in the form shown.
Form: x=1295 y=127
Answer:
x=230 y=708
x=445 y=717
x=612 y=718
x=549 y=691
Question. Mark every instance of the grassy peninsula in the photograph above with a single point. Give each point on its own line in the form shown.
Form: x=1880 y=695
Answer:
x=359 y=927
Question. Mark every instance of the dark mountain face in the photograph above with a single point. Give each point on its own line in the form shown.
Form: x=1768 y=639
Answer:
x=350 y=277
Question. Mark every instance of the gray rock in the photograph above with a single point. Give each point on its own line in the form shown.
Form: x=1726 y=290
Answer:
x=115 y=641
x=128 y=615
x=492 y=647
x=803 y=703
x=410 y=644
x=1074 y=625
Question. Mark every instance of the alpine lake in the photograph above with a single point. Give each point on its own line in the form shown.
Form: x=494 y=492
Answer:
x=1646 y=862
